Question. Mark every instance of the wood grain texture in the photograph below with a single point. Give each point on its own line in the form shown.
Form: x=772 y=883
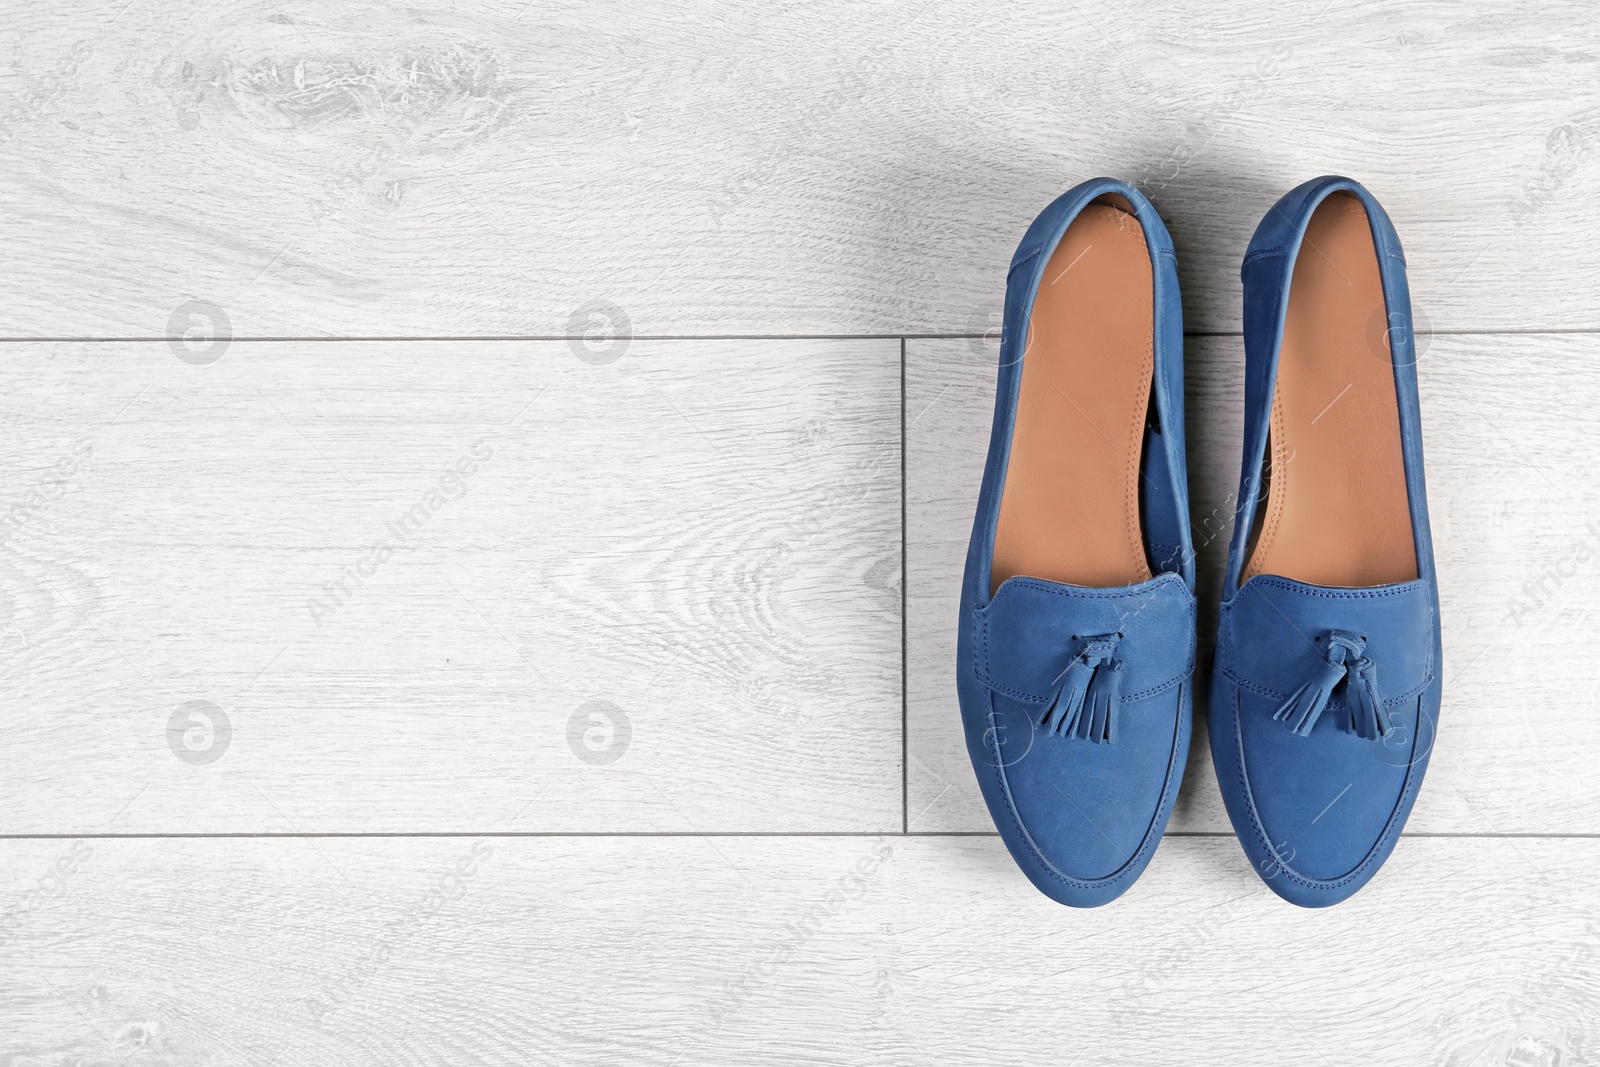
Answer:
x=808 y=951
x=353 y=168
x=402 y=570
x=1511 y=451
x=619 y=585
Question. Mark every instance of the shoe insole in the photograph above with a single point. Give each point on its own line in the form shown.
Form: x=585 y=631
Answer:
x=1336 y=512
x=1070 y=507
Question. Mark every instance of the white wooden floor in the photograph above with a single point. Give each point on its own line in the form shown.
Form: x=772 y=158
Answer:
x=486 y=496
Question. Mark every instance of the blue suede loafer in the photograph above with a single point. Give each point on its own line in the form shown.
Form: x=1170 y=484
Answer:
x=1076 y=642
x=1325 y=690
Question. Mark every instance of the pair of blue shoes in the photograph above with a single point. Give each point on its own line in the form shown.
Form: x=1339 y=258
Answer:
x=1076 y=655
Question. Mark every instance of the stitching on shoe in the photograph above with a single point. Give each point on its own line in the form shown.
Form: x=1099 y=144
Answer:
x=1391 y=827
x=988 y=682
x=1276 y=501
x=1147 y=367
x=1024 y=257
x=1335 y=702
x=1146 y=844
x=1263 y=253
x=1082 y=593
x=1225 y=643
x=980 y=647
x=1342 y=594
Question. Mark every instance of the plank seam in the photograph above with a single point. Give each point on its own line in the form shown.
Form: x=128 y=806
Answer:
x=287 y=339
x=774 y=834
x=905 y=641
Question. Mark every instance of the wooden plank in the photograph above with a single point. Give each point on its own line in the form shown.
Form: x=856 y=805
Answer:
x=409 y=575
x=1510 y=450
x=661 y=951
x=351 y=168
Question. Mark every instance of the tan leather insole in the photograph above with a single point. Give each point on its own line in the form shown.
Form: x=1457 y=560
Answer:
x=1336 y=511
x=1070 y=508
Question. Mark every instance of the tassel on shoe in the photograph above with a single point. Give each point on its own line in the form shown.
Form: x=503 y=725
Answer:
x=1342 y=661
x=1061 y=716
x=1105 y=694
x=1083 y=698
x=1304 y=707
x=1368 y=716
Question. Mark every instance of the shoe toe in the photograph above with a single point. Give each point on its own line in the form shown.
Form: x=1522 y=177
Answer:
x=1084 y=817
x=1323 y=811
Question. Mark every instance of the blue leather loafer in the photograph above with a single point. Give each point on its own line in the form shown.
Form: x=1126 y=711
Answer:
x=1325 y=690
x=1076 y=642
